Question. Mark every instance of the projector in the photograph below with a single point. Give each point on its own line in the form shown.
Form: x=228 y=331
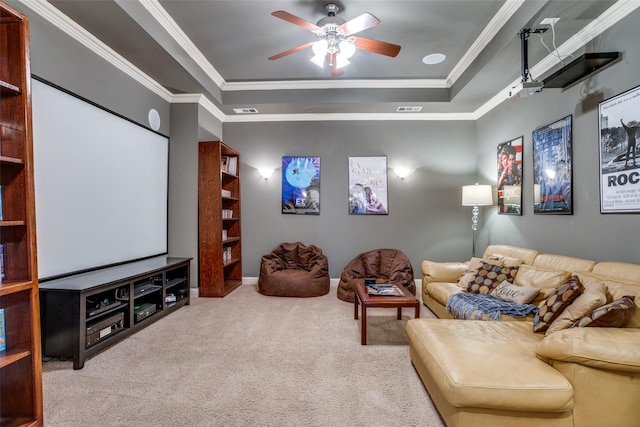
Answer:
x=525 y=89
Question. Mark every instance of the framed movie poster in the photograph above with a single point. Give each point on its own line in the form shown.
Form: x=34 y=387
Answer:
x=510 y=177
x=552 y=168
x=368 y=186
x=301 y=185
x=619 y=153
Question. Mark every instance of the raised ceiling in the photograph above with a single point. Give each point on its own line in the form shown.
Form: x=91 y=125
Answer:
x=220 y=49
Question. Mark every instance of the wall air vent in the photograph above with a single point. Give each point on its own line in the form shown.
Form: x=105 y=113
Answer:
x=409 y=109
x=580 y=68
x=249 y=110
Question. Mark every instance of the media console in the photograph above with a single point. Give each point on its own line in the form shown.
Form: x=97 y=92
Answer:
x=84 y=313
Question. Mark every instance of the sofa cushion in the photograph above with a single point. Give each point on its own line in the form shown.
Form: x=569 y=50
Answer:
x=616 y=314
x=552 y=307
x=488 y=365
x=513 y=293
x=524 y=254
x=562 y=262
x=548 y=280
x=489 y=276
x=594 y=296
x=441 y=291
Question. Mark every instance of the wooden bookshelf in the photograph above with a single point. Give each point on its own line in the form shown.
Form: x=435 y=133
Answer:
x=219 y=236
x=21 y=361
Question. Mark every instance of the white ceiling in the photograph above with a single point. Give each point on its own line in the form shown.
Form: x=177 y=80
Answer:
x=220 y=49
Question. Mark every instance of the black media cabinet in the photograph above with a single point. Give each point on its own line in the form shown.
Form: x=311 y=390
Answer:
x=84 y=313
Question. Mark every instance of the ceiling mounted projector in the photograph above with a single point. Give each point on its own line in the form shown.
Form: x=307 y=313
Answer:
x=527 y=86
x=523 y=89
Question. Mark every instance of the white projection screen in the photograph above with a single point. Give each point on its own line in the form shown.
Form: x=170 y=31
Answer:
x=101 y=185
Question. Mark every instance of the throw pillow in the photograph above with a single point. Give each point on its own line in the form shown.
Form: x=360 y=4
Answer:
x=552 y=307
x=594 y=296
x=489 y=276
x=616 y=314
x=618 y=289
x=468 y=276
x=513 y=293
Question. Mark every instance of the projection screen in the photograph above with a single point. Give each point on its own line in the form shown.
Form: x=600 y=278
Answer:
x=101 y=185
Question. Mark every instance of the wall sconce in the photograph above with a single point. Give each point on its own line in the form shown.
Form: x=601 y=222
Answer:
x=476 y=195
x=402 y=172
x=265 y=173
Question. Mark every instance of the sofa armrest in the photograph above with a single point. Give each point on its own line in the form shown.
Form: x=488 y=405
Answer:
x=615 y=349
x=448 y=272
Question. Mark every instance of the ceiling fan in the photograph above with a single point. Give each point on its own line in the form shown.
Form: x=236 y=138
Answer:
x=336 y=40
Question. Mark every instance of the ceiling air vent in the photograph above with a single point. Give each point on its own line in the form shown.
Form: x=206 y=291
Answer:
x=409 y=109
x=250 y=110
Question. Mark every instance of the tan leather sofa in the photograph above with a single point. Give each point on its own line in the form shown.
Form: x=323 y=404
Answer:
x=488 y=373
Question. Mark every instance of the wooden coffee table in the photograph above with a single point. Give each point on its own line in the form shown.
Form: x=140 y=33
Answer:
x=363 y=298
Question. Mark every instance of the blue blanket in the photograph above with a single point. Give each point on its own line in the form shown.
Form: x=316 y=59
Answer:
x=470 y=306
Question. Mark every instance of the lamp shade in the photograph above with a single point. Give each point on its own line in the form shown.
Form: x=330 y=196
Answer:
x=477 y=195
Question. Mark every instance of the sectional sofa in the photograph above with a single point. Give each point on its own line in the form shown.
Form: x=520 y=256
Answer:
x=502 y=373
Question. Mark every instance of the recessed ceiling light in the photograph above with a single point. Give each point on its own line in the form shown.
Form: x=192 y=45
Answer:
x=434 y=58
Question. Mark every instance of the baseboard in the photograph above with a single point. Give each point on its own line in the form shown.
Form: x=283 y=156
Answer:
x=195 y=292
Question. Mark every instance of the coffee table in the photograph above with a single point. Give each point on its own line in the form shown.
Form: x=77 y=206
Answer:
x=363 y=298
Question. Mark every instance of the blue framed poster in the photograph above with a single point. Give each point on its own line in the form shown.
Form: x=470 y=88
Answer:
x=552 y=168
x=301 y=185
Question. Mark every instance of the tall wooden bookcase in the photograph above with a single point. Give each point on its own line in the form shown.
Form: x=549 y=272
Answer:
x=21 y=360
x=219 y=237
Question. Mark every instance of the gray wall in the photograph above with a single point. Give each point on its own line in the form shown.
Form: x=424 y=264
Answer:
x=586 y=233
x=425 y=217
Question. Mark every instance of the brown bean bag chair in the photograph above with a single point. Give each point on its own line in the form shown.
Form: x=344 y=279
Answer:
x=294 y=270
x=385 y=265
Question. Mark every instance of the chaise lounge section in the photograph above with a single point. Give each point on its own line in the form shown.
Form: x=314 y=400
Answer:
x=489 y=373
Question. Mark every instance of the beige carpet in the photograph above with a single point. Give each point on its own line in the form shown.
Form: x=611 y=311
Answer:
x=248 y=360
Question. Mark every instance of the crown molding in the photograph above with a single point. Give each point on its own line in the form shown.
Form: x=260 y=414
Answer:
x=496 y=24
x=71 y=28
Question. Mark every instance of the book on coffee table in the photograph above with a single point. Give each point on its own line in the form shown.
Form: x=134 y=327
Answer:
x=388 y=290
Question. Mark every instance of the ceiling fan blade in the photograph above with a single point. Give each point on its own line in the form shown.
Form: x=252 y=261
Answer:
x=295 y=20
x=376 y=46
x=360 y=23
x=290 y=51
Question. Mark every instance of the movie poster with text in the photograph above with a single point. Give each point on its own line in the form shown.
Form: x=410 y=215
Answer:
x=619 y=153
x=510 y=177
x=301 y=185
x=368 y=186
x=553 y=168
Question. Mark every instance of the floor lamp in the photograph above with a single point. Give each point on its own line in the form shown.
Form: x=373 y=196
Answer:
x=476 y=195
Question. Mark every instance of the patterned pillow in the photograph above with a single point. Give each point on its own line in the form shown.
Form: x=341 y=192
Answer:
x=489 y=276
x=552 y=307
x=594 y=296
x=616 y=314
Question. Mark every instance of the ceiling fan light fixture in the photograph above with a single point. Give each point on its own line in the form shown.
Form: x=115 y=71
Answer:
x=347 y=47
x=318 y=60
x=341 y=61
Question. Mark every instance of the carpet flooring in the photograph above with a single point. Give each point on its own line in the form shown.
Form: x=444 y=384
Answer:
x=248 y=360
